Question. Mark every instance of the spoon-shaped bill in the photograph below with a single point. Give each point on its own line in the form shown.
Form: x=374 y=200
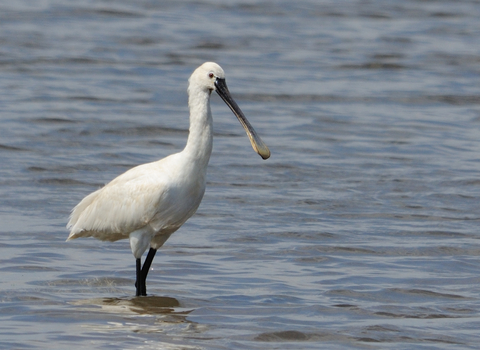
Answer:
x=257 y=143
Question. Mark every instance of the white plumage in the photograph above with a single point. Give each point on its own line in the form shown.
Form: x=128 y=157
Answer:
x=148 y=203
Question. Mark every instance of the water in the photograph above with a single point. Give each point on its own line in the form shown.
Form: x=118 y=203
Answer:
x=361 y=231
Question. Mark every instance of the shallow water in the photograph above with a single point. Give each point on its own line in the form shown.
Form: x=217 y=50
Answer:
x=360 y=232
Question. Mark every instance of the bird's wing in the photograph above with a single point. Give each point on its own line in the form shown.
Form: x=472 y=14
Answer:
x=124 y=205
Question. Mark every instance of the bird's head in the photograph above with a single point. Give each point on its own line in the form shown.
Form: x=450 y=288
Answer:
x=207 y=75
x=211 y=77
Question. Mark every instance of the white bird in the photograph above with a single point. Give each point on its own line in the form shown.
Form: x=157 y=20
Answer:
x=149 y=202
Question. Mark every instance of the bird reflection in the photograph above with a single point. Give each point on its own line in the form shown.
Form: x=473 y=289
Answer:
x=149 y=305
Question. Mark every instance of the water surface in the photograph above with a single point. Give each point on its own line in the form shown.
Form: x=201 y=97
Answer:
x=360 y=232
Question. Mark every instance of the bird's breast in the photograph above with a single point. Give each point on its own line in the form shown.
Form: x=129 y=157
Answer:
x=178 y=202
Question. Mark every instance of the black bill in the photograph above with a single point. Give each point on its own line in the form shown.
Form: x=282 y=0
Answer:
x=255 y=140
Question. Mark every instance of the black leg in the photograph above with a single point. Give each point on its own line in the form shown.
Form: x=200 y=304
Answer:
x=142 y=272
x=146 y=267
x=138 y=283
x=148 y=262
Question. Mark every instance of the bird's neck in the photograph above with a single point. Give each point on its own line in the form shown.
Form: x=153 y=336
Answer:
x=200 y=137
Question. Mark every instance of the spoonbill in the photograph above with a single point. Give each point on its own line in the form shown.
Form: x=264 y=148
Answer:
x=149 y=202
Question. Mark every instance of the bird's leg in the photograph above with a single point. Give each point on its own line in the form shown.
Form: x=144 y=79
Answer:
x=146 y=267
x=138 y=283
x=148 y=262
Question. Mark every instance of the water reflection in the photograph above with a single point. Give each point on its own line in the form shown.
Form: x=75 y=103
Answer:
x=148 y=305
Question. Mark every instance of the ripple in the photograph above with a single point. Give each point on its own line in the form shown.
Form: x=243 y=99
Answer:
x=284 y=336
x=374 y=65
x=427 y=293
x=12 y=148
x=62 y=182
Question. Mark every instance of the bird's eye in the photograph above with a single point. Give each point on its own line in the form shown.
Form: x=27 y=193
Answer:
x=211 y=75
